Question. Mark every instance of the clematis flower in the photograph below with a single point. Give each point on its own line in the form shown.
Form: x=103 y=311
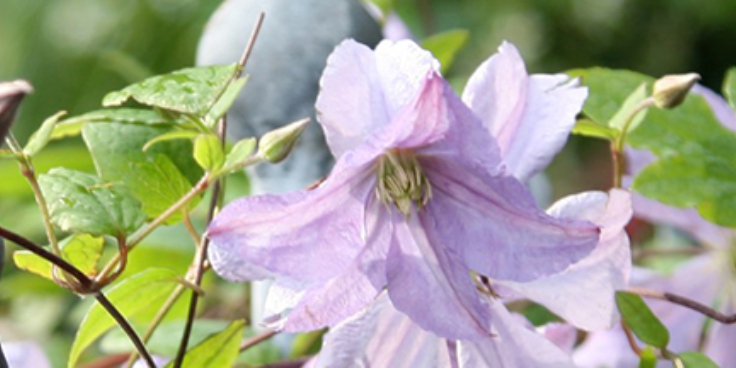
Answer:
x=709 y=278
x=419 y=196
x=380 y=336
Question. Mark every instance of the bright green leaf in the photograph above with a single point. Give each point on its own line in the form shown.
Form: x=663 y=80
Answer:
x=729 y=87
x=152 y=286
x=208 y=152
x=648 y=358
x=307 y=344
x=240 y=151
x=640 y=319
x=189 y=91
x=692 y=359
x=5 y=153
x=81 y=250
x=83 y=203
x=170 y=136
x=73 y=126
x=29 y=261
x=219 y=350
x=155 y=176
x=445 y=46
x=223 y=104
x=42 y=136
x=608 y=89
x=619 y=119
x=590 y=128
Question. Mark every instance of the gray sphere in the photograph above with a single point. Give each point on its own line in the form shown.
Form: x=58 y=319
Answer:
x=284 y=70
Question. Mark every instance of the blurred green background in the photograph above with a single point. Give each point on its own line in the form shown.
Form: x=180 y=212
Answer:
x=74 y=51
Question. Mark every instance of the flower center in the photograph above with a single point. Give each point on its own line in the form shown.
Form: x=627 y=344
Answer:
x=402 y=182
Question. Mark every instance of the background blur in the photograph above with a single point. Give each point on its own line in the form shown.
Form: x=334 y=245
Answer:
x=74 y=51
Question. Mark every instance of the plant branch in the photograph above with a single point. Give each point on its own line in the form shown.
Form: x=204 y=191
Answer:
x=630 y=339
x=123 y=323
x=685 y=302
x=617 y=145
x=255 y=340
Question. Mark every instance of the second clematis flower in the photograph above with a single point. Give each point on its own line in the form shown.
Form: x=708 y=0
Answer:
x=419 y=198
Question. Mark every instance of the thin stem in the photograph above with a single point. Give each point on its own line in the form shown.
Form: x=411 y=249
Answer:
x=685 y=302
x=123 y=323
x=190 y=228
x=630 y=339
x=255 y=340
x=43 y=253
x=617 y=146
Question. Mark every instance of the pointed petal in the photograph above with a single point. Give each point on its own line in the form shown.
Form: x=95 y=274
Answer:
x=583 y=294
x=342 y=296
x=308 y=236
x=351 y=103
x=511 y=346
x=381 y=336
x=503 y=234
x=531 y=117
x=430 y=285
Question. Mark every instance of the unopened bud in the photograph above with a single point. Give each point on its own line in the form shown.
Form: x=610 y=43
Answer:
x=670 y=91
x=11 y=95
x=277 y=144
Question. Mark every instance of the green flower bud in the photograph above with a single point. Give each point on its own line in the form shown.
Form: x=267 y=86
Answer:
x=11 y=95
x=670 y=91
x=275 y=145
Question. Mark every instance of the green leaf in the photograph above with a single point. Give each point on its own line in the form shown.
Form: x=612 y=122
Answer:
x=640 y=319
x=73 y=126
x=42 y=136
x=697 y=165
x=219 y=350
x=81 y=250
x=590 y=128
x=307 y=344
x=152 y=286
x=171 y=136
x=189 y=91
x=208 y=152
x=6 y=153
x=619 y=119
x=155 y=177
x=445 y=46
x=648 y=358
x=693 y=359
x=729 y=87
x=608 y=89
x=240 y=151
x=83 y=203
x=223 y=104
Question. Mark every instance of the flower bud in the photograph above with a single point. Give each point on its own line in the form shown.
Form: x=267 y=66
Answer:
x=11 y=95
x=277 y=144
x=670 y=91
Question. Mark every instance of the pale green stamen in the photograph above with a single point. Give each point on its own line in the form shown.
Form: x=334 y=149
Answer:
x=402 y=182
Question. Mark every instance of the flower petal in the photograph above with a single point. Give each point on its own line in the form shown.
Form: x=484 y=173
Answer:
x=583 y=294
x=430 y=284
x=511 y=346
x=503 y=234
x=381 y=336
x=308 y=236
x=531 y=117
x=719 y=343
x=720 y=107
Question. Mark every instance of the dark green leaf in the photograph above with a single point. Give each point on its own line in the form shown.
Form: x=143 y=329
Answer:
x=445 y=46
x=42 y=136
x=208 y=152
x=83 y=203
x=189 y=91
x=154 y=176
x=729 y=87
x=152 y=286
x=640 y=319
x=219 y=350
x=692 y=359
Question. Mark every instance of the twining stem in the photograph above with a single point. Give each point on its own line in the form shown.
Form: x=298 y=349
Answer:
x=685 y=302
x=86 y=283
x=255 y=340
x=617 y=145
x=630 y=339
x=200 y=256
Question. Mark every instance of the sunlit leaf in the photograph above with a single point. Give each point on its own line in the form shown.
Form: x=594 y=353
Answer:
x=73 y=126
x=729 y=87
x=219 y=350
x=171 y=136
x=152 y=286
x=648 y=358
x=240 y=151
x=83 y=203
x=640 y=319
x=608 y=89
x=445 y=46
x=225 y=101
x=42 y=136
x=190 y=91
x=81 y=250
x=590 y=128
x=693 y=359
x=208 y=152
x=619 y=119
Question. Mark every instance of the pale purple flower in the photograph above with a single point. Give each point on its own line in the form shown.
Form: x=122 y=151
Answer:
x=419 y=195
x=709 y=278
x=380 y=336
